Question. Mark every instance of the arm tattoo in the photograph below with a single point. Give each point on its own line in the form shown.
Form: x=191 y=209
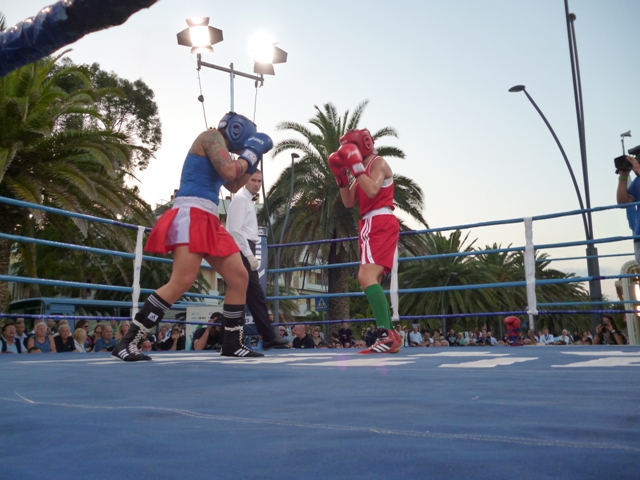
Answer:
x=216 y=150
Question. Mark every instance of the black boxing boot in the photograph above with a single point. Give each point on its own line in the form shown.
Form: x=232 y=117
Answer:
x=151 y=313
x=233 y=326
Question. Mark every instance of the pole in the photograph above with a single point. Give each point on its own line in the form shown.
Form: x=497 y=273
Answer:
x=593 y=264
x=232 y=93
x=444 y=320
x=276 y=286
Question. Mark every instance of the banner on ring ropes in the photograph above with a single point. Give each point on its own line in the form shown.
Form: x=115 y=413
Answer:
x=59 y=25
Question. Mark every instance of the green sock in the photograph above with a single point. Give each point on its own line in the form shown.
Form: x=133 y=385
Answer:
x=379 y=305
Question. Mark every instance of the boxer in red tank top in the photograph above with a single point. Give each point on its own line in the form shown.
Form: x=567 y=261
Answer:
x=379 y=229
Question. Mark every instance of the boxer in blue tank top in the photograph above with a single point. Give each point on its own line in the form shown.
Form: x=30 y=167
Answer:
x=192 y=231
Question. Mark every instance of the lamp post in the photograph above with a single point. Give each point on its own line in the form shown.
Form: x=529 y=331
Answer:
x=200 y=37
x=276 y=284
x=444 y=320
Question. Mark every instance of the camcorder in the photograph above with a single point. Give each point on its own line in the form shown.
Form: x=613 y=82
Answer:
x=621 y=162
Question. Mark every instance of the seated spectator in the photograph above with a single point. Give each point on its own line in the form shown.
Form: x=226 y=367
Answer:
x=106 y=342
x=324 y=345
x=41 y=339
x=459 y=339
x=146 y=345
x=359 y=344
x=564 y=339
x=452 y=338
x=444 y=343
x=607 y=333
x=487 y=340
x=52 y=327
x=64 y=341
x=80 y=337
x=415 y=337
x=88 y=343
x=20 y=333
x=546 y=337
x=302 y=338
x=10 y=344
x=427 y=340
x=315 y=334
x=371 y=336
x=333 y=337
x=207 y=338
x=345 y=334
x=114 y=325
x=176 y=340
x=584 y=335
x=96 y=334
x=587 y=341
x=60 y=323
x=34 y=350
x=401 y=333
x=122 y=330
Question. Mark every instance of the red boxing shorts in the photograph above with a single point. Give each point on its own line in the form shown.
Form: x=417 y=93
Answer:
x=378 y=239
x=193 y=226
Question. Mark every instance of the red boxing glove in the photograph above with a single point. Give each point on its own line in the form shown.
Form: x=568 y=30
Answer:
x=351 y=156
x=339 y=169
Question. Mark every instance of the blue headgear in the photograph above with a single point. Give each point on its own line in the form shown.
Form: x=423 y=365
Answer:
x=236 y=129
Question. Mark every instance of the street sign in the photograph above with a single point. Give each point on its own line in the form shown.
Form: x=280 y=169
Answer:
x=322 y=304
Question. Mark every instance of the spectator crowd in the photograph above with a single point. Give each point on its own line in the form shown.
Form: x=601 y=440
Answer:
x=57 y=337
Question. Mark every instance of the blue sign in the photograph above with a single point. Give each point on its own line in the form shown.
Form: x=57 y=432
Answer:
x=322 y=304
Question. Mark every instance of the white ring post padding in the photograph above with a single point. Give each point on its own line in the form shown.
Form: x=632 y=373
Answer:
x=137 y=266
x=393 y=290
x=530 y=268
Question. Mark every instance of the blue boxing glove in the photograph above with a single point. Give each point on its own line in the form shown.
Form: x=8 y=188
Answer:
x=256 y=145
x=252 y=168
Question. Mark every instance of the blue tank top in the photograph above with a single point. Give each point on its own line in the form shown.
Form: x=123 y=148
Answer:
x=200 y=179
x=44 y=347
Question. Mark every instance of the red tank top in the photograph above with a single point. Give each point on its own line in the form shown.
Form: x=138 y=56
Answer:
x=384 y=198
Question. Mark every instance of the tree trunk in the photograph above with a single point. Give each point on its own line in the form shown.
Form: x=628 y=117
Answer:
x=5 y=256
x=338 y=307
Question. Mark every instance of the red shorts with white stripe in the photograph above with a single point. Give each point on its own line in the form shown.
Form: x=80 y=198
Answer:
x=192 y=226
x=378 y=240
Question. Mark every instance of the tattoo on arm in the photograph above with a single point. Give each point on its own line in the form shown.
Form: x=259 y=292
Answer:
x=216 y=150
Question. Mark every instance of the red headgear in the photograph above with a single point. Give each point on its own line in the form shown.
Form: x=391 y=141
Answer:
x=361 y=138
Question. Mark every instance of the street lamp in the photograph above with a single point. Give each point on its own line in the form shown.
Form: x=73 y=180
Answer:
x=522 y=88
x=276 y=285
x=444 y=320
x=200 y=37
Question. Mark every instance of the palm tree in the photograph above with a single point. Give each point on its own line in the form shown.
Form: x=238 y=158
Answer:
x=436 y=272
x=317 y=211
x=43 y=162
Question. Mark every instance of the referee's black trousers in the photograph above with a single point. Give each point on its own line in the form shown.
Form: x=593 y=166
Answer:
x=257 y=301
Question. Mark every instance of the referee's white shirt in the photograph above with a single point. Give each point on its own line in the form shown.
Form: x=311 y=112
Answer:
x=242 y=222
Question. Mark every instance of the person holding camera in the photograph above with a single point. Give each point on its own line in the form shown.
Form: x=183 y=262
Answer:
x=608 y=334
x=630 y=193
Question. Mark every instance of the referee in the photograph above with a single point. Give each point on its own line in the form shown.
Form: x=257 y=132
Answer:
x=242 y=224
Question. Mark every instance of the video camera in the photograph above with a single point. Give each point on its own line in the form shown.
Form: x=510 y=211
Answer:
x=621 y=162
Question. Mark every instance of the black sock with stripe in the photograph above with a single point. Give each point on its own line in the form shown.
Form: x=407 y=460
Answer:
x=152 y=311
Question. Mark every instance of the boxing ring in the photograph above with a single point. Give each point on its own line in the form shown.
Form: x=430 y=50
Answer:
x=490 y=412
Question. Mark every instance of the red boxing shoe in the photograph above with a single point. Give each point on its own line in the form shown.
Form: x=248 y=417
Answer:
x=388 y=342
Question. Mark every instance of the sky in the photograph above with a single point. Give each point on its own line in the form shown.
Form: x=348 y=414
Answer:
x=438 y=71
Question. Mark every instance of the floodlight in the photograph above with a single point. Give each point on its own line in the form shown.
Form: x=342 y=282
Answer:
x=199 y=35
x=265 y=53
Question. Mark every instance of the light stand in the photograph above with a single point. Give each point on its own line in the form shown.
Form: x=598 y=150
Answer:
x=276 y=284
